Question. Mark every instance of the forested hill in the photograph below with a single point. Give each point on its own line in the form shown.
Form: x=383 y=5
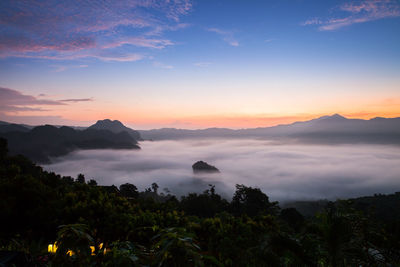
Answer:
x=126 y=227
x=43 y=142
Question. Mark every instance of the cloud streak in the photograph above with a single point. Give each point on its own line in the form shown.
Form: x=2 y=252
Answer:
x=10 y=97
x=75 y=100
x=13 y=101
x=162 y=65
x=202 y=64
x=61 y=30
x=226 y=36
x=358 y=12
x=61 y=68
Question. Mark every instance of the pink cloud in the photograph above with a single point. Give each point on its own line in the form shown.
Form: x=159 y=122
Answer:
x=63 y=29
x=10 y=97
x=13 y=101
x=360 y=12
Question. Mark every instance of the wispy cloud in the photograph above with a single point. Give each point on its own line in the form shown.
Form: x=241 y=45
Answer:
x=159 y=29
x=141 y=42
x=75 y=100
x=358 y=12
x=15 y=98
x=227 y=36
x=313 y=21
x=13 y=101
x=74 y=29
x=162 y=65
x=202 y=64
x=120 y=57
x=61 y=68
x=101 y=55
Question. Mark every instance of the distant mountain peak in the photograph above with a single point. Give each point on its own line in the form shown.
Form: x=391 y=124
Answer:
x=108 y=121
x=334 y=117
x=114 y=126
x=338 y=116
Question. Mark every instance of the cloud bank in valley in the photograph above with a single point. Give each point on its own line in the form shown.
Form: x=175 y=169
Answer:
x=284 y=172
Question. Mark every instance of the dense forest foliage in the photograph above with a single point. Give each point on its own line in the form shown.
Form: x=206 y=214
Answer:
x=126 y=227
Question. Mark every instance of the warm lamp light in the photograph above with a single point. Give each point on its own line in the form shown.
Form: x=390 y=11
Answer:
x=52 y=248
x=92 y=249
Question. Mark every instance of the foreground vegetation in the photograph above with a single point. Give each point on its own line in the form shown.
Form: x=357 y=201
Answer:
x=130 y=228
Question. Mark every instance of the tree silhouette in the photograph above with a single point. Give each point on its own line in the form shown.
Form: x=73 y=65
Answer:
x=154 y=186
x=251 y=201
x=129 y=190
x=80 y=178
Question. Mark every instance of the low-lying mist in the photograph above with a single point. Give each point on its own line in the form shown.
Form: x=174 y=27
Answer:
x=283 y=171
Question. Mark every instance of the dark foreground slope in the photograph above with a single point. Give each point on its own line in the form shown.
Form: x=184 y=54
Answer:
x=152 y=229
x=43 y=142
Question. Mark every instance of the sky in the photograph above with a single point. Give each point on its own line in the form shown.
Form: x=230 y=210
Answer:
x=198 y=64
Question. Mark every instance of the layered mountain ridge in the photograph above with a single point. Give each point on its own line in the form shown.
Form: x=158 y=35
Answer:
x=42 y=143
x=326 y=129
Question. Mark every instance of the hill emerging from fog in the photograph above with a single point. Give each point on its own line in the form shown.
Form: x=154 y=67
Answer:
x=115 y=127
x=327 y=129
x=44 y=142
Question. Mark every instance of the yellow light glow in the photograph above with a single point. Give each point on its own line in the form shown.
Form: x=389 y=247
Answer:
x=52 y=248
x=92 y=249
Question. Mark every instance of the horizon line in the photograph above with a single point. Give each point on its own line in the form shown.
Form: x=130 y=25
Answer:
x=206 y=128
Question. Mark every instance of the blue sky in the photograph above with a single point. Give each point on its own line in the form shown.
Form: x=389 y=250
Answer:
x=197 y=64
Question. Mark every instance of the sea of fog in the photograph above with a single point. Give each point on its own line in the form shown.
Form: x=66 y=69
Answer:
x=283 y=171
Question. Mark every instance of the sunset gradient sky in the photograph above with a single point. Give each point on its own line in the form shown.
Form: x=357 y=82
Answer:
x=198 y=64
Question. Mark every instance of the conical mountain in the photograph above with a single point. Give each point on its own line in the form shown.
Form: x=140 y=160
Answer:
x=115 y=126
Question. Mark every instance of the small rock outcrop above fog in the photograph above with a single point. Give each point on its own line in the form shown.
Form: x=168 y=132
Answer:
x=201 y=166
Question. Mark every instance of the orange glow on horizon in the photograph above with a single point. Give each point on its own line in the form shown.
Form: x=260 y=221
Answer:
x=223 y=121
x=188 y=117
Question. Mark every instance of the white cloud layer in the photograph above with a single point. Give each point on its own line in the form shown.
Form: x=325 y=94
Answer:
x=284 y=172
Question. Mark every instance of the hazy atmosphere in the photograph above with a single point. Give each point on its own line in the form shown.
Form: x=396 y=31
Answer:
x=284 y=172
x=200 y=133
